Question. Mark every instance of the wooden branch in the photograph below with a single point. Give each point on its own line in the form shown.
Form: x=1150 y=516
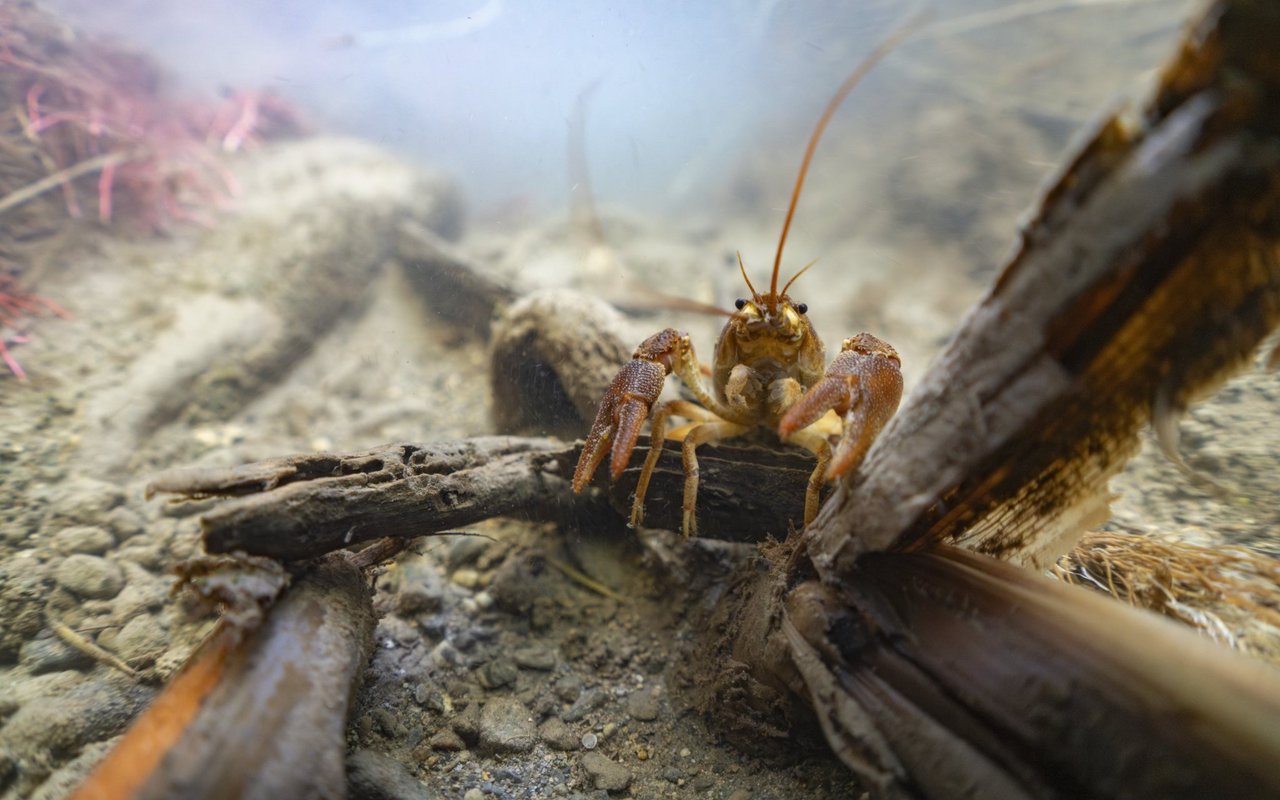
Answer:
x=1010 y=684
x=454 y=289
x=1150 y=272
x=303 y=506
x=260 y=714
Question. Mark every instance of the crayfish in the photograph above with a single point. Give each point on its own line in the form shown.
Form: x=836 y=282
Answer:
x=767 y=371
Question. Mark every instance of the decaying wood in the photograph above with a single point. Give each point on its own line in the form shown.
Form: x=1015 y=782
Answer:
x=307 y=505
x=451 y=287
x=259 y=714
x=1151 y=269
x=1010 y=684
x=553 y=356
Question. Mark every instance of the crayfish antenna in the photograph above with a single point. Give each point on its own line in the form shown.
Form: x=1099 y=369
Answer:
x=855 y=77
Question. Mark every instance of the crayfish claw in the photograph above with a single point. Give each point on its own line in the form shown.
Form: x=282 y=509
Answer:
x=863 y=385
x=625 y=406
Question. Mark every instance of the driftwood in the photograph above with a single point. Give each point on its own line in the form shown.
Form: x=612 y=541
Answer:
x=304 y=506
x=1152 y=268
x=258 y=714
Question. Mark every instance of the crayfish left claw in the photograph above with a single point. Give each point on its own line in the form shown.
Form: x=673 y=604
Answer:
x=863 y=384
x=626 y=406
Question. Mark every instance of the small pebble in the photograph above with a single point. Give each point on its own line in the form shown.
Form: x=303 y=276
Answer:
x=421 y=589
x=608 y=775
x=473 y=794
x=466 y=577
x=558 y=735
x=374 y=776
x=740 y=794
x=568 y=687
x=124 y=522
x=498 y=673
x=90 y=576
x=83 y=539
x=536 y=657
x=506 y=726
x=446 y=739
x=589 y=741
x=644 y=703
x=587 y=702
x=86 y=499
x=51 y=654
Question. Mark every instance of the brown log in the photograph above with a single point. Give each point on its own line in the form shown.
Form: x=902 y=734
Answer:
x=306 y=505
x=1150 y=272
x=258 y=714
x=985 y=679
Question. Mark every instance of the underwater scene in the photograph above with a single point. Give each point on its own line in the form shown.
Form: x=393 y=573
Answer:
x=742 y=400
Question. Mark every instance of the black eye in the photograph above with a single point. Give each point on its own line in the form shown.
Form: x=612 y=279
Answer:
x=803 y=308
x=739 y=303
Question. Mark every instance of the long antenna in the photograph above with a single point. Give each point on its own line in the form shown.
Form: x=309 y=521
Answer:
x=855 y=77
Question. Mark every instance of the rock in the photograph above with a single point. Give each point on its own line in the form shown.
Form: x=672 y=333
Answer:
x=124 y=522
x=607 y=774
x=644 y=704
x=51 y=654
x=587 y=702
x=421 y=589
x=536 y=657
x=740 y=794
x=558 y=735
x=373 y=776
x=142 y=592
x=141 y=641
x=464 y=550
x=446 y=739
x=90 y=576
x=568 y=687
x=24 y=586
x=83 y=539
x=145 y=553
x=85 y=500
x=703 y=783
x=466 y=577
x=467 y=723
x=506 y=726
x=498 y=673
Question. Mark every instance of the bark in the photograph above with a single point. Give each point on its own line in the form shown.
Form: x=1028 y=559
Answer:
x=1151 y=271
x=303 y=506
x=258 y=714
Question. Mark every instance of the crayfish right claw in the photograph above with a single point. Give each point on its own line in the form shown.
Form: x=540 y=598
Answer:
x=626 y=406
x=863 y=384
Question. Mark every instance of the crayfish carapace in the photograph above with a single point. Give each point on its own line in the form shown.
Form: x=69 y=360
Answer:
x=767 y=371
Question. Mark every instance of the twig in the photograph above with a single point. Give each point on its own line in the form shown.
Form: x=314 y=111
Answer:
x=585 y=580
x=61 y=178
x=87 y=647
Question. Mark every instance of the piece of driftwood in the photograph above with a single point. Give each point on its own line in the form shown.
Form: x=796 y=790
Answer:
x=1149 y=273
x=453 y=289
x=553 y=355
x=1151 y=270
x=303 y=506
x=255 y=714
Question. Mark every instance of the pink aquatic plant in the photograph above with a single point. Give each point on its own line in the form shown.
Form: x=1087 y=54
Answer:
x=90 y=119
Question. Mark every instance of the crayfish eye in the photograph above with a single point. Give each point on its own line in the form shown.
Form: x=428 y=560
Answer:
x=802 y=308
x=739 y=303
